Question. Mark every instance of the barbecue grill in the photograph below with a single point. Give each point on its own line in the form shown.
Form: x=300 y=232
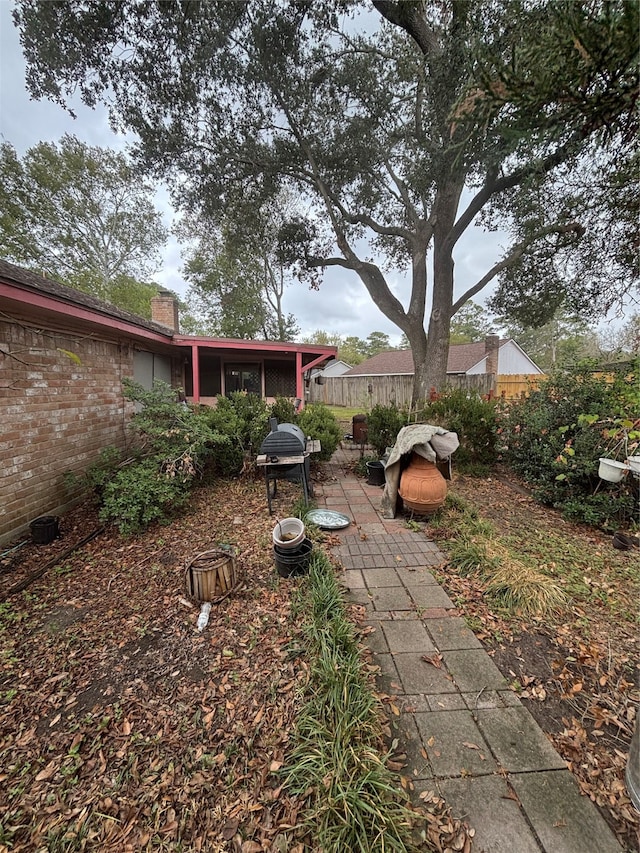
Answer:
x=285 y=441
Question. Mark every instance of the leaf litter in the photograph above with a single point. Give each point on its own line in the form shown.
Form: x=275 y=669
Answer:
x=123 y=728
x=576 y=673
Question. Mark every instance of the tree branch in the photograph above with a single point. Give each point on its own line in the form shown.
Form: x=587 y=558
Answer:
x=408 y=17
x=516 y=253
x=494 y=185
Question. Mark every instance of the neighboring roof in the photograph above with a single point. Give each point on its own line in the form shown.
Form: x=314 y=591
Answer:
x=31 y=282
x=332 y=363
x=389 y=362
x=462 y=357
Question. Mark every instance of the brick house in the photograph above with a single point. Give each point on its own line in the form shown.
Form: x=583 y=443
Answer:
x=63 y=355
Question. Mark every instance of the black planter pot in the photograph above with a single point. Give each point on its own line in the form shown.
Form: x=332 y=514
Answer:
x=375 y=474
x=44 y=529
x=293 y=561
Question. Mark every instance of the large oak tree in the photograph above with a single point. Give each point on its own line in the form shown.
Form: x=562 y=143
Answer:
x=400 y=124
x=78 y=213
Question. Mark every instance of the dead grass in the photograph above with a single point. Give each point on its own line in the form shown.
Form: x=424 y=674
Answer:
x=521 y=588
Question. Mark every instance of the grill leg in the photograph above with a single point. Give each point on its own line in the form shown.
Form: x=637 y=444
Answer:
x=305 y=484
x=270 y=493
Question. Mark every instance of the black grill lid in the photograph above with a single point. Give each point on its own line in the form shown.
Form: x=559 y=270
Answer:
x=283 y=440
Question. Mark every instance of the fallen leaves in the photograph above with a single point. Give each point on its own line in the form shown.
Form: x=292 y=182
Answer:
x=117 y=700
x=434 y=659
x=576 y=676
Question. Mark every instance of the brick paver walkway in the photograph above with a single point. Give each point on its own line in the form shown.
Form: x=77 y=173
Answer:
x=486 y=755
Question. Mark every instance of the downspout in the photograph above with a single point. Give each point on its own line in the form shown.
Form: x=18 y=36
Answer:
x=195 y=370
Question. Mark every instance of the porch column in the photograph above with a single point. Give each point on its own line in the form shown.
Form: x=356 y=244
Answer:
x=299 y=380
x=195 y=369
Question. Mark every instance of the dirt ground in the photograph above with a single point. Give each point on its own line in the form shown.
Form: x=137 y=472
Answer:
x=123 y=728
x=577 y=673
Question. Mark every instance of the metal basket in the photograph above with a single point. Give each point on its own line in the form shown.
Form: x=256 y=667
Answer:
x=211 y=575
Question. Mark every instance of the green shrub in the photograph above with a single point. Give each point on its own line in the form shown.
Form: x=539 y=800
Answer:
x=384 y=423
x=555 y=437
x=172 y=442
x=228 y=446
x=141 y=493
x=253 y=414
x=317 y=420
x=283 y=410
x=472 y=418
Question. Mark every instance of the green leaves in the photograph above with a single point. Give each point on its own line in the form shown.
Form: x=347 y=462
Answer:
x=554 y=439
x=83 y=216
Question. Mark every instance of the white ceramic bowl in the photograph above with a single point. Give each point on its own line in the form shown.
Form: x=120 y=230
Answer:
x=611 y=470
x=288 y=533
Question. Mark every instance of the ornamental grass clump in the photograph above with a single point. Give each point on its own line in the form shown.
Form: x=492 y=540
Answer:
x=511 y=582
x=352 y=799
x=521 y=588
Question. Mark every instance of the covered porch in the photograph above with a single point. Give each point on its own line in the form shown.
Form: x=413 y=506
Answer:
x=271 y=369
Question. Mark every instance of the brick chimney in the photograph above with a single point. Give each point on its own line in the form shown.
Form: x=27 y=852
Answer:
x=491 y=347
x=164 y=310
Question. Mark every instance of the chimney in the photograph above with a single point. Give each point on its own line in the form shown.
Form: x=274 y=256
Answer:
x=164 y=310
x=491 y=347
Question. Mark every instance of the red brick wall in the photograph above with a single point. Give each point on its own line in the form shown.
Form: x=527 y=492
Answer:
x=57 y=415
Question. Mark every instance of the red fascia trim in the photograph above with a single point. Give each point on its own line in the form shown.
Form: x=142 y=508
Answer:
x=255 y=346
x=77 y=312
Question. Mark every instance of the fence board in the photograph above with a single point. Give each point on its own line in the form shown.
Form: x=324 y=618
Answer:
x=367 y=391
x=518 y=385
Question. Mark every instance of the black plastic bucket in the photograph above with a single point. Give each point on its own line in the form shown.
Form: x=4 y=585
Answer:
x=293 y=561
x=44 y=529
x=375 y=472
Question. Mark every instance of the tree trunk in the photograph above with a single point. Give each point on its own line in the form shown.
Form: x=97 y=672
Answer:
x=431 y=369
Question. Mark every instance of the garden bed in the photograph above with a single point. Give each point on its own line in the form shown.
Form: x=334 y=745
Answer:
x=123 y=727
x=577 y=671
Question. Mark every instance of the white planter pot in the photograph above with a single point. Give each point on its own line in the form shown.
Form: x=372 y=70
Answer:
x=634 y=464
x=611 y=470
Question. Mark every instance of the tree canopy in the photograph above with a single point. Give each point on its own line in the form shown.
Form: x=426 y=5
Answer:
x=351 y=349
x=398 y=130
x=237 y=280
x=80 y=215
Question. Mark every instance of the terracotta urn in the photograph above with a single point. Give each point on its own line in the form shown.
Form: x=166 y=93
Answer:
x=422 y=487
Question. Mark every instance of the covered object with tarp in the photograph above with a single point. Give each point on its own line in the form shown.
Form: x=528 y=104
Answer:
x=433 y=443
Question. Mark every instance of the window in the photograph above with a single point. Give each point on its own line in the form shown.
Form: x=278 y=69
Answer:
x=147 y=367
x=242 y=377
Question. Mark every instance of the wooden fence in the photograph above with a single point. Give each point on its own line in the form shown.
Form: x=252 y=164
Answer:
x=363 y=392
x=518 y=384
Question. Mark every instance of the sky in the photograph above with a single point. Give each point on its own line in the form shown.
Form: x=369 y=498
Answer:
x=340 y=306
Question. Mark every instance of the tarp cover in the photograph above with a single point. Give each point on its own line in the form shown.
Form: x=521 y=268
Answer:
x=431 y=442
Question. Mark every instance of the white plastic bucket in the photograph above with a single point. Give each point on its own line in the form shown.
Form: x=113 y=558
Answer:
x=288 y=533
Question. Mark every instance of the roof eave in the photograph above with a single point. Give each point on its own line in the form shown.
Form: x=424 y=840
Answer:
x=67 y=309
